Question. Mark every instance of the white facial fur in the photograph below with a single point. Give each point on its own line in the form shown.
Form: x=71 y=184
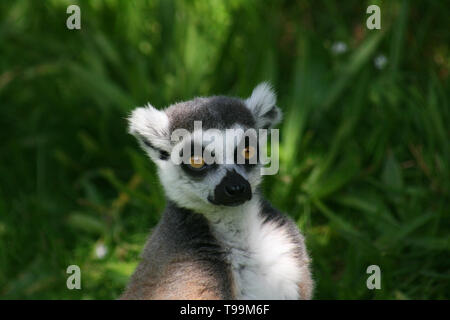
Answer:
x=151 y=127
x=193 y=194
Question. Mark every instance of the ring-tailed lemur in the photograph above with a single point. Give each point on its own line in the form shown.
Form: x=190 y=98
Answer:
x=218 y=238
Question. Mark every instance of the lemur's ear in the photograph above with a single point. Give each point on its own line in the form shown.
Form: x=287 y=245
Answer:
x=262 y=105
x=151 y=127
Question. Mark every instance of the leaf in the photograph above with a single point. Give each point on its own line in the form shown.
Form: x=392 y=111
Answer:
x=356 y=62
x=392 y=173
x=343 y=225
x=86 y=223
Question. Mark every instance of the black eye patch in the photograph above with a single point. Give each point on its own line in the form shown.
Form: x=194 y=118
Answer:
x=192 y=170
x=197 y=172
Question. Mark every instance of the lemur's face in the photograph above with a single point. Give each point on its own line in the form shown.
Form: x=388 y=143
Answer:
x=208 y=149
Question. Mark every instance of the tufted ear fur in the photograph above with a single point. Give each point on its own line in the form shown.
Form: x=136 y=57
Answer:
x=262 y=105
x=151 y=127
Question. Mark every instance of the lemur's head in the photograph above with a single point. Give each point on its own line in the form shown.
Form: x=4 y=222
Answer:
x=208 y=150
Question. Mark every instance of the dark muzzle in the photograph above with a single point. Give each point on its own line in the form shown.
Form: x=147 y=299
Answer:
x=233 y=190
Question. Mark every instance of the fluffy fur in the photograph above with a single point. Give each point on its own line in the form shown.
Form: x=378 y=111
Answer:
x=201 y=250
x=264 y=254
x=262 y=105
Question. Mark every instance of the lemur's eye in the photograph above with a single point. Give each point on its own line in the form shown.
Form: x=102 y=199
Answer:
x=196 y=162
x=248 y=152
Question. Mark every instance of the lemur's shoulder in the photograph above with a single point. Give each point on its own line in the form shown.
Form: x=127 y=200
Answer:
x=272 y=215
x=280 y=220
x=181 y=260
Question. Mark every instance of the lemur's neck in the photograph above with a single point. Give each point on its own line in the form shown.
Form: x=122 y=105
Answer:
x=227 y=224
x=233 y=225
x=234 y=215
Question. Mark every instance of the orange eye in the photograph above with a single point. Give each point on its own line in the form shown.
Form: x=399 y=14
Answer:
x=248 y=152
x=196 y=162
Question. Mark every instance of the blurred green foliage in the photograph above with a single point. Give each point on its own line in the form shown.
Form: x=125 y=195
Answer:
x=365 y=151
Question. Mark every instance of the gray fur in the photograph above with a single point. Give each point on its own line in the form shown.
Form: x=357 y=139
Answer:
x=200 y=250
x=181 y=236
x=216 y=112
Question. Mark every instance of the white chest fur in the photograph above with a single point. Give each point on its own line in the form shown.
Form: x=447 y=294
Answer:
x=261 y=255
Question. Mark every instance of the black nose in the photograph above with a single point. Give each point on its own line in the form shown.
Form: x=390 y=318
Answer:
x=233 y=190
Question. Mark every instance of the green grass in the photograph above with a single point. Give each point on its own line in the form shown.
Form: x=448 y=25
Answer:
x=364 y=156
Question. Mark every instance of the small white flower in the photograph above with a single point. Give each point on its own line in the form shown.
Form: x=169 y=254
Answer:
x=339 y=47
x=380 y=61
x=101 y=250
